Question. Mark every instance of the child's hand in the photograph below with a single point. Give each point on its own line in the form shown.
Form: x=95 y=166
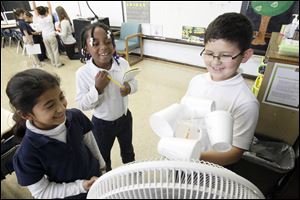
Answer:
x=87 y=184
x=101 y=81
x=125 y=90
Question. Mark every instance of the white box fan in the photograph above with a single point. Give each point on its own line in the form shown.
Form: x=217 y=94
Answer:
x=169 y=179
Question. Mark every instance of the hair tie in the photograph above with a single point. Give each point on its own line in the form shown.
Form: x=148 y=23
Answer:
x=108 y=34
x=92 y=41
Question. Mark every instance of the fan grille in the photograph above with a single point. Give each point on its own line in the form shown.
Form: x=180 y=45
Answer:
x=166 y=179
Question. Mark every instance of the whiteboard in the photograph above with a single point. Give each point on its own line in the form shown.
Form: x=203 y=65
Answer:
x=71 y=8
x=172 y=15
x=76 y=9
x=169 y=15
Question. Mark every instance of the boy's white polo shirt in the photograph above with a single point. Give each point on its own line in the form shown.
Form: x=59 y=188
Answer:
x=232 y=95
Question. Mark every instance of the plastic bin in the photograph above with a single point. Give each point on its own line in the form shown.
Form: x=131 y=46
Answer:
x=265 y=164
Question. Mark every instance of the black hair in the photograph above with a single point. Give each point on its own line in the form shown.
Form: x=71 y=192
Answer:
x=41 y=10
x=23 y=90
x=84 y=36
x=17 y=12
x=28 y=14
x=233 y=27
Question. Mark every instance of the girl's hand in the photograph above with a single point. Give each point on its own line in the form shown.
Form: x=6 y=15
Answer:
x=125 y=90
x=87 y=184
x=101 y=81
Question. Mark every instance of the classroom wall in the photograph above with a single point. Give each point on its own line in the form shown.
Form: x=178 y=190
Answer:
x=175 y=14
x=171 y=16
x=191 y=55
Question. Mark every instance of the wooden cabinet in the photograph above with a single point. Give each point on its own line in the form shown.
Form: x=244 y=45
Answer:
x=279 y=120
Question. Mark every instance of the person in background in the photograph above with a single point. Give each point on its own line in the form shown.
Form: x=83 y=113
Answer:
x=37 y=38
x=111 y=118
x=45 y=23
x=66 y=33
x=27 y=33
x=58 y=156
x=56 y=22
x=226 y=45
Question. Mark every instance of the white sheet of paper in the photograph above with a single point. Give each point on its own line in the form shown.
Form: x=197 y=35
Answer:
x=283 y=89
x=33 y=49
x=129 y=75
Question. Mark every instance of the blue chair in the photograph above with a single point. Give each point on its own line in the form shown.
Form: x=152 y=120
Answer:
x=129 y=40
x=6 y=34
x=17 y=35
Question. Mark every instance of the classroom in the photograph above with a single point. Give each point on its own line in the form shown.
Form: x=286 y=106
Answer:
x=150 y=99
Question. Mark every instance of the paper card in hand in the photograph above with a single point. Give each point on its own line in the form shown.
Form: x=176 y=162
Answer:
x=33 y=49
x=130 y=74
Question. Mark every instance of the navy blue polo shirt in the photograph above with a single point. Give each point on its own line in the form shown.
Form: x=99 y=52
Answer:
x=24 y=26
x=41 y=155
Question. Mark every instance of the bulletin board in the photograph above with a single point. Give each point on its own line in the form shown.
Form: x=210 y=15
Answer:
x=274 y=24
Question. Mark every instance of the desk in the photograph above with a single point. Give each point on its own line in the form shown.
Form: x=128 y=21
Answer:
x=272 y=52
x=8 y=26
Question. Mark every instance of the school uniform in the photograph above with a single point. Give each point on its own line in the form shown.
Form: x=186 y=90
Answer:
x=23 y=26
x=38 y=39
x=234 y=96
x=68 y=40
x=111 y=117
x=61 y=162
x=45 y=23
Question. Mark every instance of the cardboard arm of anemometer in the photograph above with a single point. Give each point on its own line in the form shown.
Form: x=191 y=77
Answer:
x=181 y=127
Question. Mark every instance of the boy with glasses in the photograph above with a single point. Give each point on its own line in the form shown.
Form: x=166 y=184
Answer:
x=227 y=45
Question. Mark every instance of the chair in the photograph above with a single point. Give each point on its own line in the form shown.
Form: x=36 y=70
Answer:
x=19 y=38
x=6 y=34
x=129 y=40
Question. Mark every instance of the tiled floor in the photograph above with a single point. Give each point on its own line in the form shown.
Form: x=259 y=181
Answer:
x=160 y=84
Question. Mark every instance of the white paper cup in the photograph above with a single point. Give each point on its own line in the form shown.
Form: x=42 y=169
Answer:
x=163 y=123
x=219 y=126
x=198 y=107
x=188 y=129
x=179 y=148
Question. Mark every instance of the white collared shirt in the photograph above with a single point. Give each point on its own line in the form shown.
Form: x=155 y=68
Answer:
x=45 y=24
x=109 y=105
x=232 y=95
x=66 y=32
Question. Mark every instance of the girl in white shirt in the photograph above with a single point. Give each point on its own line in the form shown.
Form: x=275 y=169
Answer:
x=111 y=117
x=65 y=33
x=45 y=22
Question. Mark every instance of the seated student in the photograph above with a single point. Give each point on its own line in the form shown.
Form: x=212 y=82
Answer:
x=27 y=33
x=37 y=36
x=227 y=45
x=65 y=33
x=58 y=156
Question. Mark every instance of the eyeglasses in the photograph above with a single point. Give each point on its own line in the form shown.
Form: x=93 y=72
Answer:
x=222 y=58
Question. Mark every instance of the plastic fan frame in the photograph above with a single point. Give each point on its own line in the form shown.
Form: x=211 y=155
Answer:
x=168 y=179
